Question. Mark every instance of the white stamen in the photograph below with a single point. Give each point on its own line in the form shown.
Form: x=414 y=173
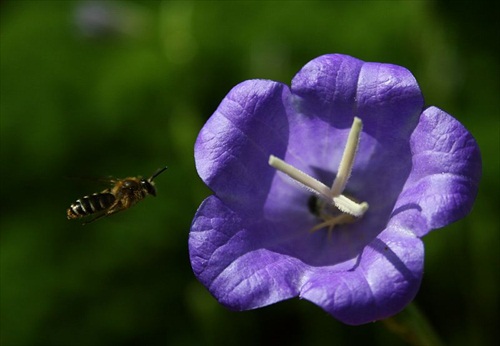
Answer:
x=347 y=161
x=348 y=206
x=299 y=176
x=333 y=195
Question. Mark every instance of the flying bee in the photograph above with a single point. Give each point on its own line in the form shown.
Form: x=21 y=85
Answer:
x=122 y=195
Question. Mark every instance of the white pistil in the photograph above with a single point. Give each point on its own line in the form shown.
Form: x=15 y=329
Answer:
x=347 y=161
x=348 y=206
x=296 y=174
x=334 y=195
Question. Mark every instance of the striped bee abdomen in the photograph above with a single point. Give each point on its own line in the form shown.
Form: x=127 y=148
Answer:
x=89 y=205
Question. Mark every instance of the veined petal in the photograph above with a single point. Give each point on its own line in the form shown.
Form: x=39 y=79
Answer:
x=235 y=143
x=389 y=102
x=231 y=257
x=328 y=92
x=386 y=279
x=444 y=180
x=234 y=259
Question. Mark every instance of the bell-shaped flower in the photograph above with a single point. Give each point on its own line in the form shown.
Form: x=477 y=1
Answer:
x=322 y=190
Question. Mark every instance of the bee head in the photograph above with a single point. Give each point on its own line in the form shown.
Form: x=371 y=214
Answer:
x=149 y=185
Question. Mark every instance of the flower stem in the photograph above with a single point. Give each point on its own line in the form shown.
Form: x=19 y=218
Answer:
x=412 y=326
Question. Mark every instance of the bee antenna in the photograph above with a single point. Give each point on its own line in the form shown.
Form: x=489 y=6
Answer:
x=157 y=173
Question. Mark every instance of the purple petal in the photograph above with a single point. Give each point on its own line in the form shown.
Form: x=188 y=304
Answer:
x=327 y=88
x=328 y=92
x=243 y=274
x=228 y=256
x=233 y=148
x=334 y=88
x=444 y=180
x=385 y=281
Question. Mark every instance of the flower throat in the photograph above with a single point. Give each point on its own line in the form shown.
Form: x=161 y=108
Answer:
x=330 y=204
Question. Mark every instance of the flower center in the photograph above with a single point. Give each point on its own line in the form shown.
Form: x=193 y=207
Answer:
x=328 y=199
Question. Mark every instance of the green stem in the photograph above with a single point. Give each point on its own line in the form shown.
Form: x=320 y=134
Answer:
x=412 y=325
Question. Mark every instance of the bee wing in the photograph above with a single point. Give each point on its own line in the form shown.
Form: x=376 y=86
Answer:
x=101 y=180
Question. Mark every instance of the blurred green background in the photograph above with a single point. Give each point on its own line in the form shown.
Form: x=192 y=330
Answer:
x=94 y=88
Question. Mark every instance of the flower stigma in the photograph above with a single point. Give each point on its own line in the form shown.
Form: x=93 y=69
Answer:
x=330 y=204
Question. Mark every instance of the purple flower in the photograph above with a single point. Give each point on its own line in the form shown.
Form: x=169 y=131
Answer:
x=274 y=230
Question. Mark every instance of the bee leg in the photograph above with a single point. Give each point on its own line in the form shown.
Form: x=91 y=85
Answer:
x=113 y=209
x=110 y=211
x=94 y=219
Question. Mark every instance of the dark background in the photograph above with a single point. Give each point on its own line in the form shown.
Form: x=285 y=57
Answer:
x=91 y=89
